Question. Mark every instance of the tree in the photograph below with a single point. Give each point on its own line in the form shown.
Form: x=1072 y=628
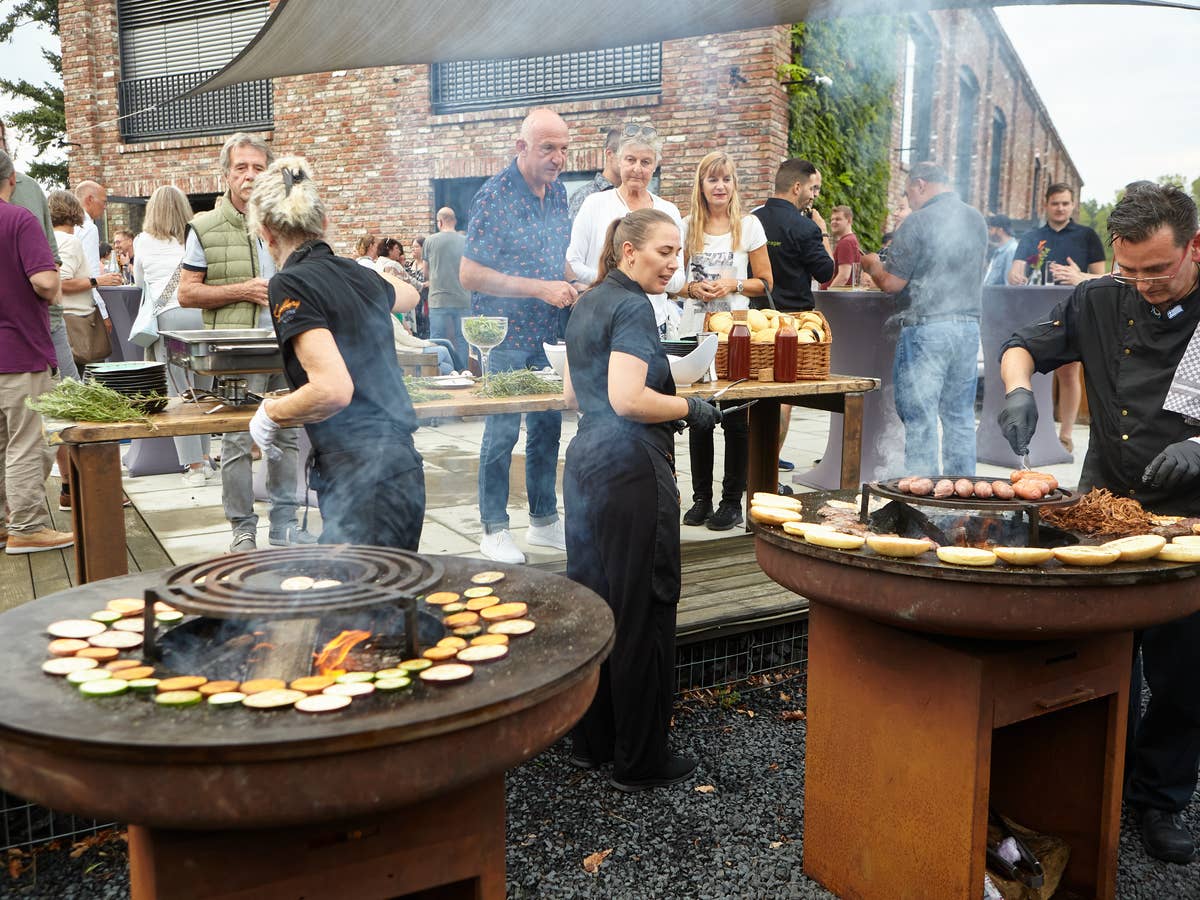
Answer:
x=46 y=121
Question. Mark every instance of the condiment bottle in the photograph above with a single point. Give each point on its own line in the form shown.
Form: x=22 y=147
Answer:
x=786 y=342
x=739 y=345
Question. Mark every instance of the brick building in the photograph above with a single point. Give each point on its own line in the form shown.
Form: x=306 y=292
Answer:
x=391 y=145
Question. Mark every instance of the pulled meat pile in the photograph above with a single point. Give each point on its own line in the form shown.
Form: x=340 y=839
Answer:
x=1101 y=512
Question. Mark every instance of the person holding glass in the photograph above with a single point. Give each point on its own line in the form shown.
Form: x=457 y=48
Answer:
x=622 y=504
x=719 y=246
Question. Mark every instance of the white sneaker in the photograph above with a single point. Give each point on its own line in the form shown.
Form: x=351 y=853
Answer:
x=195 y=477
x=551 y=535
x=499 y=546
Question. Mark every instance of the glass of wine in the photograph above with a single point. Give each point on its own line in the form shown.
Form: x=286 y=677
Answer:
x=484 y=333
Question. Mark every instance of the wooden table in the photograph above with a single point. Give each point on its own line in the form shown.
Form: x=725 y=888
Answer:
x=95 y=464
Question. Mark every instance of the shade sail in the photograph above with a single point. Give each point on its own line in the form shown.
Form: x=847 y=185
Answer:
x=304 y=36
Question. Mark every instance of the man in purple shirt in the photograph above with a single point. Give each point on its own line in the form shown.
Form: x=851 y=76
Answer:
x=515 y=264
x=28 y=282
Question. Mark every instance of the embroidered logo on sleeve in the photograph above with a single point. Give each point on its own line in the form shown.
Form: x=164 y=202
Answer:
x=285 y=311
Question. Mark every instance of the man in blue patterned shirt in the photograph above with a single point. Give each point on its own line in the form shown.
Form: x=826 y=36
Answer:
x=514 y=263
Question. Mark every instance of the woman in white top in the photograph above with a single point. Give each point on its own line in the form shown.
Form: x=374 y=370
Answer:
x=65 y=213
x=638 y=155
x=157 y=252
x=719 y=246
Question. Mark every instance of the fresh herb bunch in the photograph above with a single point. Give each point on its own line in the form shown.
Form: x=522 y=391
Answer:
x=88 y=402
x=483 y=331
x=421 y=390
x=516 y=383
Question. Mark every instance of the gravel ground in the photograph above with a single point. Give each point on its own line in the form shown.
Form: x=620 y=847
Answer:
x=741 y=839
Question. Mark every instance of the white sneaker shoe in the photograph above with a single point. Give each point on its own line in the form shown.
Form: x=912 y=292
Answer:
x=499 y=546
x=195 y=477
x=551 y=535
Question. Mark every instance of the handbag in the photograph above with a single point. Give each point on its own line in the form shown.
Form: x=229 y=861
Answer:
x=145 y=327
x=88 y=337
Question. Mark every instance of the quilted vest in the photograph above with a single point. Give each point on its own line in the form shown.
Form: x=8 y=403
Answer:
x=232 y=257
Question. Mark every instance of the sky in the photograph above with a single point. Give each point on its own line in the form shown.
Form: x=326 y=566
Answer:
x=1116 y=81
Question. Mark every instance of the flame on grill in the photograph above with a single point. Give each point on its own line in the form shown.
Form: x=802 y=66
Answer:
x=333 y=654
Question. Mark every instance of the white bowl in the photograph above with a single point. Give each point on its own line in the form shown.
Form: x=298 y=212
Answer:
x=557 y=355
x=688 y=369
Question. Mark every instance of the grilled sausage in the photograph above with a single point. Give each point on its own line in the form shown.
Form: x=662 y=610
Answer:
x=904 y=485
x=1030 y=489
x=983 y=490
x=921 y=487
x=943 y=488
x=1002 y=490
x=1023 y=474
x=964 y=488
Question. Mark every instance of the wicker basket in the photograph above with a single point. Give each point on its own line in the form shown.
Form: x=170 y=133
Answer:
x=812 y=360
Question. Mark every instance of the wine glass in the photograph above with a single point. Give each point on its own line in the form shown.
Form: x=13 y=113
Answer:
x=483 y=333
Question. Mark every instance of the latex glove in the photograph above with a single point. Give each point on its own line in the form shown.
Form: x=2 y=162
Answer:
x=263 y=429
x=1018 y=419
x=702 y=414
x=1177 y=464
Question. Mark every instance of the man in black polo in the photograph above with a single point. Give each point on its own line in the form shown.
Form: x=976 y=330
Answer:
x=935 y=269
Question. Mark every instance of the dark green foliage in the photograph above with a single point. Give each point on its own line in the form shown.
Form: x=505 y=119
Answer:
x=845 y=128
x=45 y=122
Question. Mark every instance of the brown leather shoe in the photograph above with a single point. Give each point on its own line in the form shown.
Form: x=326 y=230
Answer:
x=36 y=541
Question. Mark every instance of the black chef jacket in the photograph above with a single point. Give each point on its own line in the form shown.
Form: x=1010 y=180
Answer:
x=1129 y=356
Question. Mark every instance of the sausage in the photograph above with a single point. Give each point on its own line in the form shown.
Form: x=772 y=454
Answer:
x=1002 y=490
x=983 y=490
x=1022 y=474
x=964 y=487
x=904 y=485
x=943 y=488
x=1030 y=489
x=921 y=487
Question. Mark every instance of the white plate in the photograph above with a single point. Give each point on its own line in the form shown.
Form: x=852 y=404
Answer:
x=451 y=381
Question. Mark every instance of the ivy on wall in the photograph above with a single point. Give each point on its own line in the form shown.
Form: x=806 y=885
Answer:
x=845 y=128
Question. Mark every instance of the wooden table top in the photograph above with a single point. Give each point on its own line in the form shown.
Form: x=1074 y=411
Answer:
x=181 y=418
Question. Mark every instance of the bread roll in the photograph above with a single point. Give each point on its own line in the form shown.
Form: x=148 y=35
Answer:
x=1180 y=553
x=890 y=545
x=1024 y=556
x=966 y=556
x=827 y=537
x=1138 y=547
x=800 y=528
x=762 y=498
x=773 y=515
x=1086 y=556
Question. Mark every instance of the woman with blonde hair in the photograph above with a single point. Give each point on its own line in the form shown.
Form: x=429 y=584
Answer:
x=720 y=244
x=332 y=318
x=622 y=506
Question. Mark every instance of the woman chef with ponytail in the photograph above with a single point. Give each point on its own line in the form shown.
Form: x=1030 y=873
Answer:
x=333 y=320
x=622 y=504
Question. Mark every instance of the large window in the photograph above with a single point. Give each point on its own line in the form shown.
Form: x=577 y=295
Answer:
x=964 y=143
x=170 y=46
x=999 y=134
x=925 y=68
x=491 y=83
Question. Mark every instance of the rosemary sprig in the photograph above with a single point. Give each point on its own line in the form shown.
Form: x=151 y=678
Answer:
x=88 y=402
x=516 y=383
x=421 y=390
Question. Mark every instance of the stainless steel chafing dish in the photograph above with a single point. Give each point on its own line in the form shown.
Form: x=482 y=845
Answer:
x=219 y=352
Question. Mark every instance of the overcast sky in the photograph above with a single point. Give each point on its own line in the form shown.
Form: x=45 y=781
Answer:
x=1118 y=82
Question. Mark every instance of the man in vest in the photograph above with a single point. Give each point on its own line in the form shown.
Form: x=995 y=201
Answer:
x=224 y=273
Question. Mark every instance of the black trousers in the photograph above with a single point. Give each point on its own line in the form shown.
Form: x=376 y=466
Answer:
x=373 y=496
x=622 y=529
x=1163 y=753
x=737 y=458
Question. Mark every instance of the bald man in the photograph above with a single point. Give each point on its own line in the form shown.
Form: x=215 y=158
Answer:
x=448 y=299
x=514 y=262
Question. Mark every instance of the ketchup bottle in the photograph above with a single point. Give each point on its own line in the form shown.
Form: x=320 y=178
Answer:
x=786 y=342
x=739 y=346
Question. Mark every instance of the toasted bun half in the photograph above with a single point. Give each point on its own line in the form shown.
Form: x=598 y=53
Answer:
x=1180 y=553
x=1196 y=528
x=773 y=515
x=761 y=498
x=888 y=545
x=827 y=537
x=1086 y=556
x=800 y=528
x=842 y=504
x=966 y=556
x=1024 y=556
x=1187 y=540
x=1137 y=547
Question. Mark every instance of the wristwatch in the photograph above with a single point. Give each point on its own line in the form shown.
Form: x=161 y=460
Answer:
x=94 y=282
x=739 y=286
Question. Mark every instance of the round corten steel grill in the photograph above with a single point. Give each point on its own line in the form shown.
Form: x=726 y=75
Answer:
x=247 y=585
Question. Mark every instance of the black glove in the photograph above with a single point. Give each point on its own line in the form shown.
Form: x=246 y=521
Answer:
x=702 y=414
x=1018 y=419
x=1179 y=463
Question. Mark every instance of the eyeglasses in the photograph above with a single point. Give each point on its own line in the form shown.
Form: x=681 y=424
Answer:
x=1154 y=279
x=633 y=129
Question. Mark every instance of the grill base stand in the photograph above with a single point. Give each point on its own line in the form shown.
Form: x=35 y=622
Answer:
x=910 y=737
x=445 y=848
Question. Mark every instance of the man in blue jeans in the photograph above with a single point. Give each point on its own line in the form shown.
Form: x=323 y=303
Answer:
x=448 y=299
x=935 y=268
x=514 y=262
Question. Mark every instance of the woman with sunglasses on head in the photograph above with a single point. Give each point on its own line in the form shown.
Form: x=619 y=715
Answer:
x=332 y=317
x=622 y=505
x=638 y=155
x=719 y=247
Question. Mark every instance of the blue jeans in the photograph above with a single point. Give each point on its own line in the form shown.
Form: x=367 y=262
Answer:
x=500 y=433
x=935 y=373
x=446 y=324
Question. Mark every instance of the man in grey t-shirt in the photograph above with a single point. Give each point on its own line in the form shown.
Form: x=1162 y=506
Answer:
x=448 y=299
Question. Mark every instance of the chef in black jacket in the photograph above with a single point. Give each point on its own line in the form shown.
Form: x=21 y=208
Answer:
x=622 y=503
x=1130 y=331
x=333 y=320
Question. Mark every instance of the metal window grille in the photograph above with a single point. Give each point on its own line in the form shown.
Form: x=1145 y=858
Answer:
x=26 y=824
x=722 y=661
x=491 y=83
x=246 y=107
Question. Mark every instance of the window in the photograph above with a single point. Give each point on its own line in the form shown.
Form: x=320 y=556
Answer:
x=999 y=132
x=170 y=46
x=491 y=83
x=964 y=143
x=908 y=101
x=925 y=67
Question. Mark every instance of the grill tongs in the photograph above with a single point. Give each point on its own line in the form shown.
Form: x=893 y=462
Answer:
x=1025 y=868
x=680 y=424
